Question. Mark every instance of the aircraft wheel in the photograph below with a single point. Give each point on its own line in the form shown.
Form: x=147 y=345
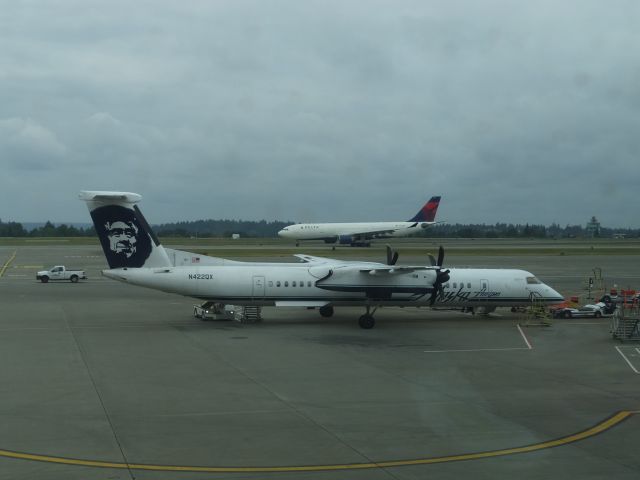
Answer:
x=326 y=311
x=366 y=321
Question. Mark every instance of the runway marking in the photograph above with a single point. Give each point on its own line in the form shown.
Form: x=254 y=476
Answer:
x=524 y=337
x=7 y=263
x=583 y=323
x=505 y=349
x=627 y=360
x=477 y=350
x=597 y=429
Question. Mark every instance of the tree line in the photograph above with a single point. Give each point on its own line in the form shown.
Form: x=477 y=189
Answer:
x=264 y=229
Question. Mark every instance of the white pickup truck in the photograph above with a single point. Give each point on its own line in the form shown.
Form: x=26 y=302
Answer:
x=59 y=272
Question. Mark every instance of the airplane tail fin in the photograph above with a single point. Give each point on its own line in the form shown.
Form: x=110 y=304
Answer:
x=428 y=212
x=126 y=238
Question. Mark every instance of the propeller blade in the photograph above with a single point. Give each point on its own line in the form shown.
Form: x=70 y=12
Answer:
x=432 y=259
x=440 y=256
x=442 y=277
x=392 y=257
x=432 y=299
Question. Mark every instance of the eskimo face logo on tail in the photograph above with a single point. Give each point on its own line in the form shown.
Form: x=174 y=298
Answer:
x=122 y=237
x=124 y=240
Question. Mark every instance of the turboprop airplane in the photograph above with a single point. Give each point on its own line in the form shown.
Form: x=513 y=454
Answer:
x=359 y=234
x=135 y=256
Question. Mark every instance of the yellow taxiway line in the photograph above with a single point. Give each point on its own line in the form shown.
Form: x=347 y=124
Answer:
x=7 y=263
x=576 y=437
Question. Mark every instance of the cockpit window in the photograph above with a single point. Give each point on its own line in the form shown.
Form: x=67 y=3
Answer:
x=533 y=281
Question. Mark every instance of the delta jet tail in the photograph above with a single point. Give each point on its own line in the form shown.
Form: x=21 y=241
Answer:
x=136 y=257
x=360 y=233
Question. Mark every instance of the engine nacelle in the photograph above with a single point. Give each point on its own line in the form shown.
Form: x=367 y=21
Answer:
x=345 y=239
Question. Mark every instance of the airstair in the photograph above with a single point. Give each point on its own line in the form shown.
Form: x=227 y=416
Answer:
x=248 y=314
x=625 y=324
x=536 y=314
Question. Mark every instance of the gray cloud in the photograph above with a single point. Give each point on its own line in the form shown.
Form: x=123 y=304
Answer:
x=324 y=111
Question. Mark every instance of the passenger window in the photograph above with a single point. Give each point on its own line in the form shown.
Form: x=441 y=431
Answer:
x=278 y=283
x=308 y=284
x=454 y=285
x=286 y=284
x=293 y=284
x=302 y=284
x=469 y=285
x=270 y=283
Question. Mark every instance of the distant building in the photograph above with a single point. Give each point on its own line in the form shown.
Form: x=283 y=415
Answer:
x=593 y=227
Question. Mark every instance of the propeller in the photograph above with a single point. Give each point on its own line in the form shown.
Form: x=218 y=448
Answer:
x=392 y=257
x=442 y=276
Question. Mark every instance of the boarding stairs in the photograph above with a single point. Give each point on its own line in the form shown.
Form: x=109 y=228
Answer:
x=248 y=314
x=625 y=324
x=536 y=314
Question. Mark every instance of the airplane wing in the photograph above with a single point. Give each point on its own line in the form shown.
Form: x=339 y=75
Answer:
x=393 y=269
x=333 y=261
x=368 y=234
x=312 y=259
x=384 y=233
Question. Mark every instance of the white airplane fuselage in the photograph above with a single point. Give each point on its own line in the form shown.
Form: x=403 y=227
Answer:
x=360 y=233
x=308 y=284
x=322 y=231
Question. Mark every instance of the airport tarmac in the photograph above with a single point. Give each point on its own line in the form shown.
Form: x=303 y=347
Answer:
x=100 y=380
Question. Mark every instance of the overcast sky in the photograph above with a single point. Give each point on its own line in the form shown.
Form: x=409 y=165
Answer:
x=305 y=110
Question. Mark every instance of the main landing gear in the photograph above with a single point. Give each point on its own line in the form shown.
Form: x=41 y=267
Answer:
x=367 y=321
x=326 y=311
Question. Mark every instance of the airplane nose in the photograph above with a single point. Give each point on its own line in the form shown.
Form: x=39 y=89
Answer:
x=556 y=297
